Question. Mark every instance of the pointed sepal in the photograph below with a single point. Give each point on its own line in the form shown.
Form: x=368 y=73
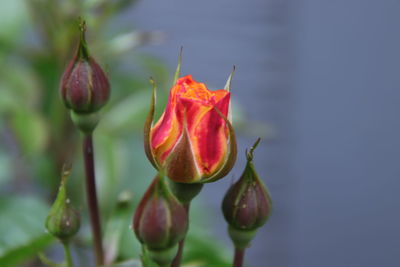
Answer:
x=83 y=51
x=178 y=67
x=148 y=124
x=229 y=81
x=182 y=152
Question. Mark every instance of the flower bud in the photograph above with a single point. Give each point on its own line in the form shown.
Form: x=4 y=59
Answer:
x=160 y=222
x=63 y=220
x=193 y=141
x=84 y=85
x=247 y=204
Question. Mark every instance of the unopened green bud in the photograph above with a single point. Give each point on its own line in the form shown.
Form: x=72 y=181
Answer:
x=63 y=220
x=247 y=204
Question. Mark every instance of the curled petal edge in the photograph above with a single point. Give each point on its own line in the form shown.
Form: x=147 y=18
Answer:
x=147 y=127
x=232 y=154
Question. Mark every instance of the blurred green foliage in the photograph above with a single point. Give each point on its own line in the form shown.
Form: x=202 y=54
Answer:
x=37 y=37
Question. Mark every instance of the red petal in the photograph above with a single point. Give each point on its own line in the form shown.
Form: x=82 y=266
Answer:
x=210 y=138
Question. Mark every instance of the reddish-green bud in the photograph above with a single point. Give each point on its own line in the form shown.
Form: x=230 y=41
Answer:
x=247 y=204
x=63 y=220
x=84 y=85
x=160 y=221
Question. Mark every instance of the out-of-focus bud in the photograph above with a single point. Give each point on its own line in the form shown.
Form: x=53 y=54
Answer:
x=160 y=222
x=63 y=220
x=193 y=141
x=84 y=85
x=247 y=204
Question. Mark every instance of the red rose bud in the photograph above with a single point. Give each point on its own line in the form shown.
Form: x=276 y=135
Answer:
x=247 y=204
x=84 y=85
x=193 y=141
x=160 y=222
x=63 y=220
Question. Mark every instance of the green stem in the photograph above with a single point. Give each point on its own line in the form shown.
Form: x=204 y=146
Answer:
x=178 y=258
x=238 y=258
x=91 y=196
x=67 y=254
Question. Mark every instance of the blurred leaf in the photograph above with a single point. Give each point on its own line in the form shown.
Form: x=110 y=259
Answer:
x=131 y=40
x=128 y=263
x=128 y=114
x=154 y=67
x=146 y=260
x=13 y=15
x=5 y=168
x=30 y=129
x=108 y=171
x=22 y=233
x=202 y=250
x=117 y=226
x=18 y=87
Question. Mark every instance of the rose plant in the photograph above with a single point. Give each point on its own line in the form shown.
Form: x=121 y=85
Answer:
x=192 y=143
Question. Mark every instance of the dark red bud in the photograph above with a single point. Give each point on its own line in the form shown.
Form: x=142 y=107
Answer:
x=247 y=204
x=84 y=85
x=160 y=221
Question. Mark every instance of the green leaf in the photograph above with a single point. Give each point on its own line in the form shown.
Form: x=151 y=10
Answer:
x=22 y=233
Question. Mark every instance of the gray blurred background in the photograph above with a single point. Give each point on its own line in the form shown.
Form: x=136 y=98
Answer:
x=323 y=77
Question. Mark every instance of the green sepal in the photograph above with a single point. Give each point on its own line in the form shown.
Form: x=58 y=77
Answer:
x=229 y=81
x=178 y=67
x=185 y=192
x=147 y=126
x=163 y=257
x=241 y=238
x=86 y=122
x=82 y=52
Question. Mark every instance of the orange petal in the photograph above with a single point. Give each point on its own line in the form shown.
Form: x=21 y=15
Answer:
x=166 y=132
